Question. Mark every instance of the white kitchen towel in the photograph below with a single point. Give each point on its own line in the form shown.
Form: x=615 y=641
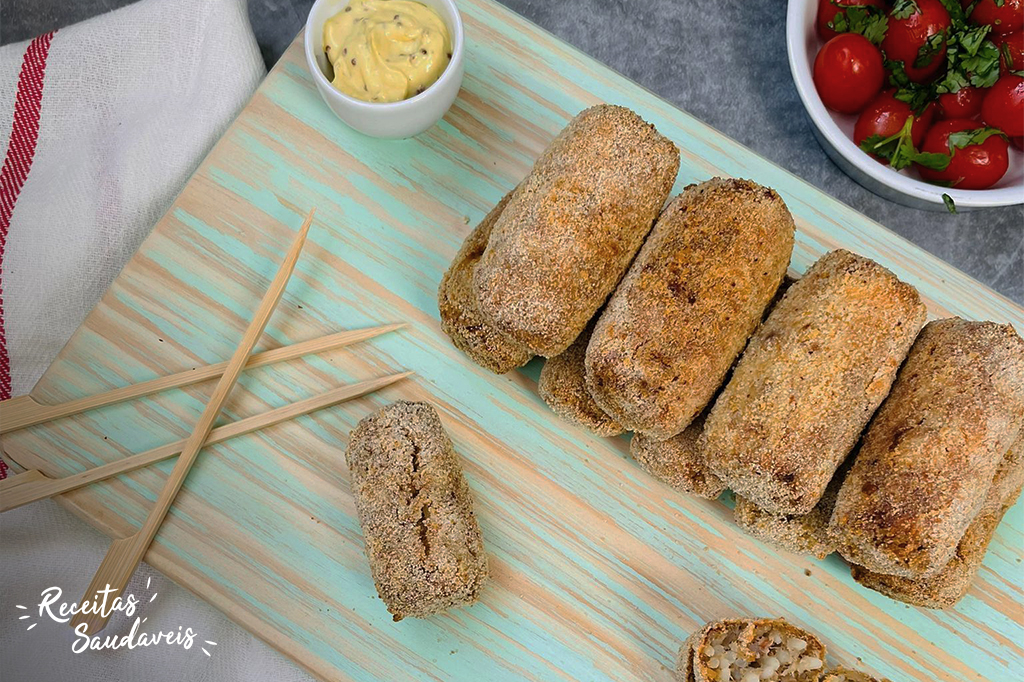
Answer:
x=105 y=121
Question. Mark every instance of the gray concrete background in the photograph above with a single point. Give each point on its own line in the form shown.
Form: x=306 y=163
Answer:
x=724 y=61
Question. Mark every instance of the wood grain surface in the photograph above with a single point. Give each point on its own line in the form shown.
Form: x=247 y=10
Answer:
x=599 y=571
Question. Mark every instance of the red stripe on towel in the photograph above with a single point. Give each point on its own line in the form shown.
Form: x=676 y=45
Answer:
x=21 y=148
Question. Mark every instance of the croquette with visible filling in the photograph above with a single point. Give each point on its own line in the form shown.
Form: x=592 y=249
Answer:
x=737 y=650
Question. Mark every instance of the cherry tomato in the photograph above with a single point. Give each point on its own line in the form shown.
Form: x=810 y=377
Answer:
x=886 y=116
x=977 y=166
x=1003 y=107
x=848 y=72
x=1005 y=19
x=964 y=103
x=906 y=36
x=827 y=11
x=1011 y=44
x=1017 y=142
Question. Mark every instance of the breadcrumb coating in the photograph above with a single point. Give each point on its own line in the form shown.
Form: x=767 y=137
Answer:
x=563 y=387
x=685 y=309
x=841 y=674
x=572 y=226
x=798 y=533
x=679 y=461
x=809 y=381
x=950 y=585
x=422 y=539
x=929 y=456
x=460 y=312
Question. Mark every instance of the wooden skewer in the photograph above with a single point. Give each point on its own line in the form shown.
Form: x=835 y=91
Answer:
x=125 y=554
x=23 y=411
x=29 y=486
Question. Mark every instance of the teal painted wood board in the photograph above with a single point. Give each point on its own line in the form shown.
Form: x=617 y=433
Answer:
x=598 y=571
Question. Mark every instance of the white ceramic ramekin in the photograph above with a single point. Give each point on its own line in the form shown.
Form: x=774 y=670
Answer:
x=390 y=119
x=835 y=134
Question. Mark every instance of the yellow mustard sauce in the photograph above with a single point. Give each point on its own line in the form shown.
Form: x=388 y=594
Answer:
x=386 y=50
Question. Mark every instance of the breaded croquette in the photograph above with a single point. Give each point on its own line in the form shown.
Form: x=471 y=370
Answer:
x=948 y=586
x=563 y=387
x=809 y=381
x=798 y=533
x=678 y=461
x=422 y=540
x=690 y=300
x=928 y=457
x=572 y=226
x=460 y=312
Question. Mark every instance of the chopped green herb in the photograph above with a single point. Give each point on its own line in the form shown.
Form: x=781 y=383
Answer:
x=957 y=13
x=902 y=9
x=972 y=59
x=983 y=68
x=971 y=40
x=965 y=138
x=932 y=160
x=948 y=200
x=932 y=48
x=952 y=82
x=866 y=20
x=899 y=150
x=917 y=95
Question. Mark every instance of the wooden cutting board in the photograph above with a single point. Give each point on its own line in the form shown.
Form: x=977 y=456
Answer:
x=599 y=571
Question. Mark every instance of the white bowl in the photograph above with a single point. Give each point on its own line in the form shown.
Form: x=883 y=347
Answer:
x=388 y=119
x=835 y=134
